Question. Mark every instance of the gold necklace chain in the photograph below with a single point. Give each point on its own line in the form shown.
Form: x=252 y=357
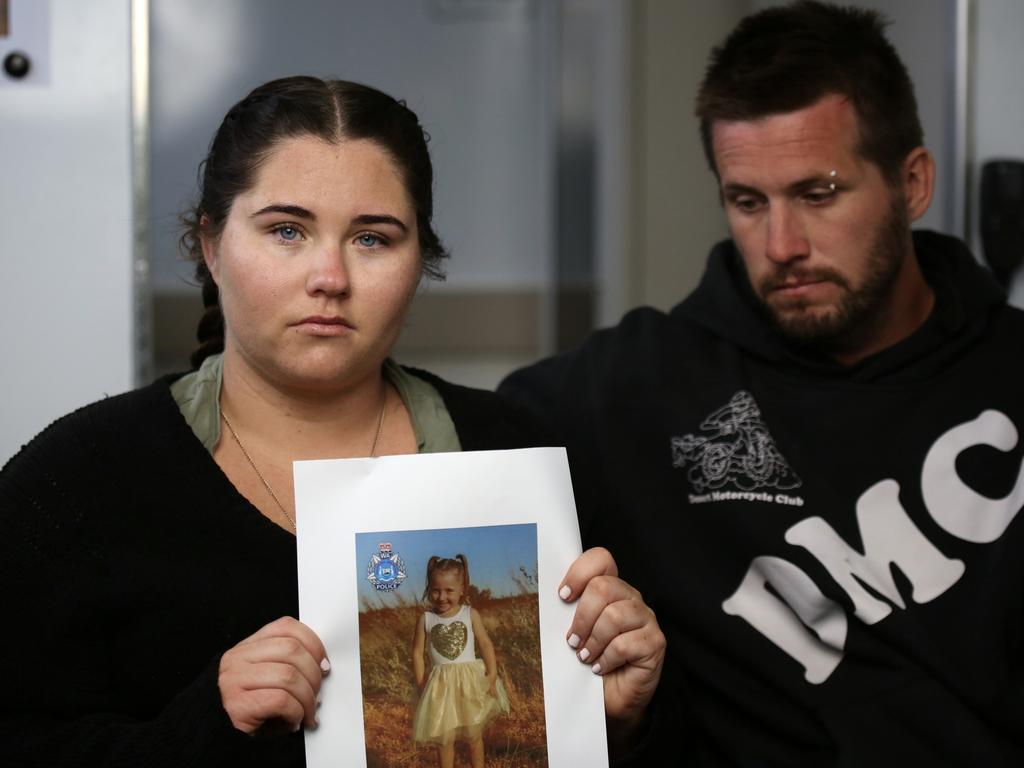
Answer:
x=266 y=484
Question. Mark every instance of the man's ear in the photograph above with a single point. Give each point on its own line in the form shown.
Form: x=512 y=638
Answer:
x=918 y=177
x=209 y=246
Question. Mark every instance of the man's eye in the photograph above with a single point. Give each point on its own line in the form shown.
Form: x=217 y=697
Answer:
x=819 y=196
x=746 y=204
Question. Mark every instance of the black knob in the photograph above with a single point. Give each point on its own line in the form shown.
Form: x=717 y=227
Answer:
x=17 y=64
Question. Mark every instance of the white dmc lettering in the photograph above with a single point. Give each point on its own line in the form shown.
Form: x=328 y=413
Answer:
x=786 y=623
x=809 y=627
x=961 y=510
x=890 y=538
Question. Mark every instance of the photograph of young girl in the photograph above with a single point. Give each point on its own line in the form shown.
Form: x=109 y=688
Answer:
x=449 y=656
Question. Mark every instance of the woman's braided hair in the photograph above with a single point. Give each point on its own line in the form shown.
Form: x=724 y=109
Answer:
x=332 y=110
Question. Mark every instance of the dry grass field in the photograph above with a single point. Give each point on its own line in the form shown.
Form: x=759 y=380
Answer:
x=515 y=740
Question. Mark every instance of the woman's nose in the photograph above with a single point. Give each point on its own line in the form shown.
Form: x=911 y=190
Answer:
x=329 y=274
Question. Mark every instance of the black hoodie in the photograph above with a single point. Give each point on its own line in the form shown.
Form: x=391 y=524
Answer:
x=830 y=550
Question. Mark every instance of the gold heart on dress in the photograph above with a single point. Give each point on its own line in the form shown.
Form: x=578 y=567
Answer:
x=449 y=639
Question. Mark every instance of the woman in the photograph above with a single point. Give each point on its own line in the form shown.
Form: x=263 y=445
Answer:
x=150 y=556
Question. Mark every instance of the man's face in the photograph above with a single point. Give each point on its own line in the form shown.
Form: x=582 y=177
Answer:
x=823 y=235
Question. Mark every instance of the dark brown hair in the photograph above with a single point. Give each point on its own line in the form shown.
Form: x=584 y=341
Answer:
x=786 y=58
x=458 y=564
x=332 y=110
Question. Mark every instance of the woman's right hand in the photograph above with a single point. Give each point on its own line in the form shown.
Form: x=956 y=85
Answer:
x=617 y=633
x=273 y=675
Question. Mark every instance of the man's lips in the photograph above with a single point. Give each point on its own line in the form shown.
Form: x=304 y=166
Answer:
x=797 y=286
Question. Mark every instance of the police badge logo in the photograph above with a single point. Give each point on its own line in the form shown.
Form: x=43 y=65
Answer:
x=386 y=570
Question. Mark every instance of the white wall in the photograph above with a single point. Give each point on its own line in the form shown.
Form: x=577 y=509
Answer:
x=997 y=128
x=469 y=70
x=66 y=222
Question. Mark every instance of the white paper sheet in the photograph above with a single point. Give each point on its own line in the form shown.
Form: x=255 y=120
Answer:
x=348 y=509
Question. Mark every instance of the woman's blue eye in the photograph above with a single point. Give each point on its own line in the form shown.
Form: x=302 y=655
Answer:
x=288 y=233
x=368 y=240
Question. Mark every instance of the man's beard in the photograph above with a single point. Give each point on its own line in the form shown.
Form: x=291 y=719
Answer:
x=855 y=313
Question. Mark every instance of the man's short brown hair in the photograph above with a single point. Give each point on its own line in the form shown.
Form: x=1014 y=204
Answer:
x=786 y=58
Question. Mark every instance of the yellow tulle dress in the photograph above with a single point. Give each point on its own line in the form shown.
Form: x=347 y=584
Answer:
x=456 y=704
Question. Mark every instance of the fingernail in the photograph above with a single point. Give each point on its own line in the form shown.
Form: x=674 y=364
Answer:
x=316 y=722
x=565 y=592
x=596 y=669
x=296 y=727
x=584 y=654
x=325 y=665
x=574 y=639
x=318 y=701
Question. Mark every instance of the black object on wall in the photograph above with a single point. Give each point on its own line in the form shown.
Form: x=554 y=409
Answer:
x=1002 y=217
x=17 y=64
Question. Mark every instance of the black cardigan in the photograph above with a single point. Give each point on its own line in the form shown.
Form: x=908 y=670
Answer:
x=130 y=564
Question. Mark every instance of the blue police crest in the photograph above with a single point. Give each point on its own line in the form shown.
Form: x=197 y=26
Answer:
x=386 y=570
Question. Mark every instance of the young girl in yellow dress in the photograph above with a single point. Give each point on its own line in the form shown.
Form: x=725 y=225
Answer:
x=462 y=693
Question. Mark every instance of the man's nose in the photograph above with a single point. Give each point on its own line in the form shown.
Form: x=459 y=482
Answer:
x=786 y=239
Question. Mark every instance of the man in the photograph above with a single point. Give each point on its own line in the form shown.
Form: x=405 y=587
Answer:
x=811 y=467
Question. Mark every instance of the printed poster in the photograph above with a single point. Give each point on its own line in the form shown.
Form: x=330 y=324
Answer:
x=453 y=559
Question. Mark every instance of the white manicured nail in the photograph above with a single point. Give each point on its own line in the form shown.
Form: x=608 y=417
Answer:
x=574 y=640
x=325 y=665
x=584 y=654
x=596 y=669
x=565 y=593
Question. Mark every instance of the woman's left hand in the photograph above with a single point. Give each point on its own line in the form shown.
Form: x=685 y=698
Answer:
x=616 y=633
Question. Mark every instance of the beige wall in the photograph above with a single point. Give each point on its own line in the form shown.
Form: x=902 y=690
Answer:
x=675 y=216
x=655 y=227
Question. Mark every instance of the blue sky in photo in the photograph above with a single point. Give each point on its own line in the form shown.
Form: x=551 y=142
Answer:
x=495 y=553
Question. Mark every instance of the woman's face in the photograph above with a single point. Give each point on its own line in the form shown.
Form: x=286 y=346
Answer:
x=445 y=592
x=316 y=265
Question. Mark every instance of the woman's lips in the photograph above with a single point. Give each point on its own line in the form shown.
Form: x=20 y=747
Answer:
x=322 y=325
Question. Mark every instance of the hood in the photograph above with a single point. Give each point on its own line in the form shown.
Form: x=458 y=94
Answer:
x=965 y=297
